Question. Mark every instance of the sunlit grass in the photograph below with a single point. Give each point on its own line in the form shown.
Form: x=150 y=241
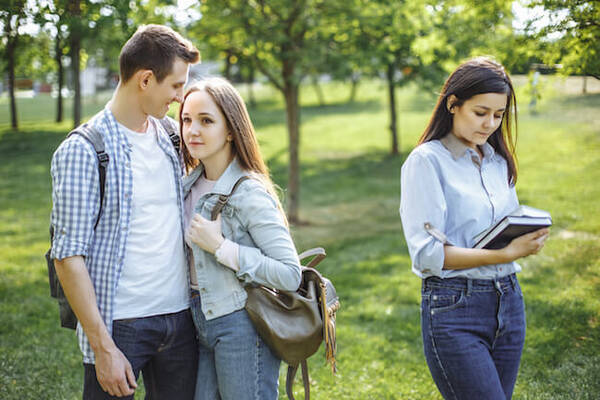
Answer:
x=349 y=197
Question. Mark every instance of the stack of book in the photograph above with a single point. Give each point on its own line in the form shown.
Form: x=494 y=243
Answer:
x=523 y=220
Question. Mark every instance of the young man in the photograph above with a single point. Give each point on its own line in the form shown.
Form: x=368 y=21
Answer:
x=127 y=279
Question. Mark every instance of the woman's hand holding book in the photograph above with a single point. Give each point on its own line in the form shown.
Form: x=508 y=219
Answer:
x=525 y=245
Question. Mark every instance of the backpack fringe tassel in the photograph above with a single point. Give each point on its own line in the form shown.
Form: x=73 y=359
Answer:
x=329 y=334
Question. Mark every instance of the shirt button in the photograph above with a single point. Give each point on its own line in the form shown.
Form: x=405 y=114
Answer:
x=203 y=290
x=209 y=312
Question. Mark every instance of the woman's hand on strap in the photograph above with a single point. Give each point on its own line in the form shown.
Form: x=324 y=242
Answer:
x=525 y=245
x=205 y=233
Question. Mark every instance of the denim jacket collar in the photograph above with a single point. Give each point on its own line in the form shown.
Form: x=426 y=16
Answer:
x=224 y=184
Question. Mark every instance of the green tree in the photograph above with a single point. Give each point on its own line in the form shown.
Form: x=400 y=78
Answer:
x=576 y=23
x=13 y=14
x=386 y=32
x=52 y=17
x=279 y=38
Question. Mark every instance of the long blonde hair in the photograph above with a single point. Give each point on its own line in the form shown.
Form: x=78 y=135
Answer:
x=244 y=144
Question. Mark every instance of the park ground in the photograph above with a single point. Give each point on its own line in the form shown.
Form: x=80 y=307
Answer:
x=349 y=200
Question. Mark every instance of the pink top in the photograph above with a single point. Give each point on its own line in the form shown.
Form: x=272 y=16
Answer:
x=227 y=253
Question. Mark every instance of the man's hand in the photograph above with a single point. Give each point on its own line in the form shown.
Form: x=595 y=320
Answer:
x=114 y=373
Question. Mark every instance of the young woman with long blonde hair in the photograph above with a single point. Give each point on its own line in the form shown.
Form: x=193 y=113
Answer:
x=248 y=243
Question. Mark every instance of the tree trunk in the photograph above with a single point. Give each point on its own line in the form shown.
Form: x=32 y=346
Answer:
x=292 y=109
x=227 y=71
x=251 y=97
x=75 y=49
x=317 y=86
x=353 y=88
x=59 y=83
x=584 y=88
x=10 y=54
x=392 y=96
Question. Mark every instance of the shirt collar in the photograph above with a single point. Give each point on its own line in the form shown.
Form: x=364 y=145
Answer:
x=458 y=149
x=224 y=184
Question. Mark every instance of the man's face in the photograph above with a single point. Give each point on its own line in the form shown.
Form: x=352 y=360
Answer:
x=158 y=96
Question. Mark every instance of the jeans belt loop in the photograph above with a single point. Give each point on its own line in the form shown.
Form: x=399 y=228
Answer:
x=469 y=286
x=513 y=281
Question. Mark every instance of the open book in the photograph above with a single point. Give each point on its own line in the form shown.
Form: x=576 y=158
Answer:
x=523 y=220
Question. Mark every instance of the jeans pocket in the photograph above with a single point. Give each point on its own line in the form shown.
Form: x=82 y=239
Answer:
x=444 y=299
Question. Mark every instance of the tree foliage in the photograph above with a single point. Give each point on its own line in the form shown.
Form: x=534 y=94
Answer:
x=573 y=34
x=280 y=38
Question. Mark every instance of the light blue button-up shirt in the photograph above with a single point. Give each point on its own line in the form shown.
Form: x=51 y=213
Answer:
x=446 y=184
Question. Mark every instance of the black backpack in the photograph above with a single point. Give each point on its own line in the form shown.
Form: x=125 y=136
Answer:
x=67 y=316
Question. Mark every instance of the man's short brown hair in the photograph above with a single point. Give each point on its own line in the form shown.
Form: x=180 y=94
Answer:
x=155 y=47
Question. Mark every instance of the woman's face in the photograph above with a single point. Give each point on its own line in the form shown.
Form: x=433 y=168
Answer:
x=479 y=117
x=205 y=131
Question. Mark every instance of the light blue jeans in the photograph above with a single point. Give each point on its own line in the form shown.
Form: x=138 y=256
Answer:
x=233 y=362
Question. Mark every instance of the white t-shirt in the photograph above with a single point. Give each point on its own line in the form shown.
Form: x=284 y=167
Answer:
x=154 y=278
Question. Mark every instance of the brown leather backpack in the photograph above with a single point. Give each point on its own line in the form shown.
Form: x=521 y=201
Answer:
x=294 y=324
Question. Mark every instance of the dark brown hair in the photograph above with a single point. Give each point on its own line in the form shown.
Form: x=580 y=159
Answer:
x=155 y=47
x=244 y=144
x=477 y=76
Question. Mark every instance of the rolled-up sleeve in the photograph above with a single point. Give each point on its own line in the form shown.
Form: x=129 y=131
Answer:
x=422 y=201
x=75 y=197
x=274 y=261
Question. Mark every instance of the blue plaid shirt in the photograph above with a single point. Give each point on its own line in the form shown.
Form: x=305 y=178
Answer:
x=76 y=201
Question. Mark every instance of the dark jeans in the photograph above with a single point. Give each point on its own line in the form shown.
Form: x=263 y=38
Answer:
x=473 y=335
x=163 y=347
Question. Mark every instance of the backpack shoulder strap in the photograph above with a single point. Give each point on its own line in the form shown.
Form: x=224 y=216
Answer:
x=175 y=139
x=94 y=137
x=223 y=199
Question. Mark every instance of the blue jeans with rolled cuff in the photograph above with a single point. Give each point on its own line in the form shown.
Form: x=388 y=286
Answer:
x=163 y=347
x=234 y=363
x=473 y=334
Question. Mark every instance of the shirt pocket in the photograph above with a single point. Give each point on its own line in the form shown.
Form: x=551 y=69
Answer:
x=228 y=223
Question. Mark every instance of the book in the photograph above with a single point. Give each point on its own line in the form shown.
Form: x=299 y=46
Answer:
x=523 y=220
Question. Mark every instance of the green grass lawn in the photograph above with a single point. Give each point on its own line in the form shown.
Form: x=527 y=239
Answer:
x=350 y=197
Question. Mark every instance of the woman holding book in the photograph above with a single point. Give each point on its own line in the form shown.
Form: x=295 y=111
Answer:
x=249 y=242
x=457 y=182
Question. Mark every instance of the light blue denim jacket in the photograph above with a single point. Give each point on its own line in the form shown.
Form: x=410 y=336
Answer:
x=267 y=254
